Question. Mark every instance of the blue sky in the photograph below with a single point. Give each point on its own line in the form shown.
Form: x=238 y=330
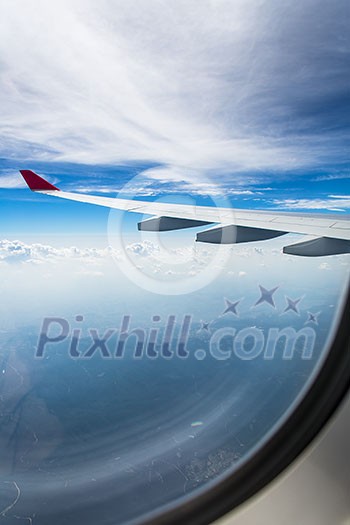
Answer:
x=25 y=213
x=251 y=101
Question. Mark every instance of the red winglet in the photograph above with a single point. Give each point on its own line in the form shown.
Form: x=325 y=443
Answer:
x=37 y=183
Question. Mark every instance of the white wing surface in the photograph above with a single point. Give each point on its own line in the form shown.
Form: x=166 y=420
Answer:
x=327 y=234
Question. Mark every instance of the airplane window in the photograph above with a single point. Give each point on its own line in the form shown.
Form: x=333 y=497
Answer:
x=139 y=374
x=174 y=252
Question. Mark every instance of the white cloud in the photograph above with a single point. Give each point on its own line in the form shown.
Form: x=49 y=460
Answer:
x=332 y=203
x=347 y=197
x=11 y=180
x=333 y=176
x=194 y=86
x=20 y=252
x=171 y=179
x=143 y=248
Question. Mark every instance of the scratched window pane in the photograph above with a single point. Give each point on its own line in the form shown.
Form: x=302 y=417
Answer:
x=108 y=390
x=174 y=243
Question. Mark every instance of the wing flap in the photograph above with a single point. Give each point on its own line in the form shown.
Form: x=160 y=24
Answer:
x=318 y=247
x=236 y=234
x=165 y=224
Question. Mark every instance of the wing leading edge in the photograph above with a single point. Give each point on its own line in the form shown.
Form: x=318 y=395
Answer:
x=327 y=234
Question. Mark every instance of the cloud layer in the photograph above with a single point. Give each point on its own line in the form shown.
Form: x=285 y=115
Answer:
x=18 y=251
x=213 y=86
x=11 y=180
x=333 y=203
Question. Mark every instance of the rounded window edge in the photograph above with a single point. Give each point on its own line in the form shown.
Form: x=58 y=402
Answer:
x=306 y=421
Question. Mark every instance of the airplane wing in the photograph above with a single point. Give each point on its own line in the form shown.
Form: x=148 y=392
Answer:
x=326 y=234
